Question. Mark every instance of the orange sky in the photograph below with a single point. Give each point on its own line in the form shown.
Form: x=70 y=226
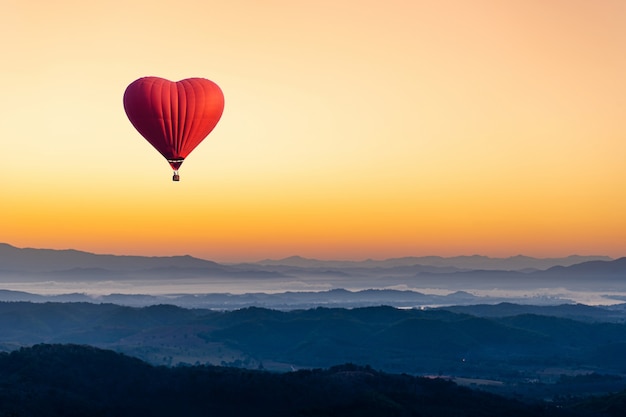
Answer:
x=352 y=129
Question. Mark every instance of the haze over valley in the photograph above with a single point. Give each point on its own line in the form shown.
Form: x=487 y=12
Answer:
x=64 y=275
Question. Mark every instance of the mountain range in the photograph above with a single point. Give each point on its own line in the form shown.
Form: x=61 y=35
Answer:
x=296 y=282
x=49 y=260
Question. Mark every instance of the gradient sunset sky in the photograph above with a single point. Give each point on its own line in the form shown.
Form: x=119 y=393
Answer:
x=351 y=130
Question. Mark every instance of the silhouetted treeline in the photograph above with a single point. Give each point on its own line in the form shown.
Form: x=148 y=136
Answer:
x=74 y=380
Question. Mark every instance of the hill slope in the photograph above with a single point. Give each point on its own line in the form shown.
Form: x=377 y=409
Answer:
x=72 y=380
x=416 y=341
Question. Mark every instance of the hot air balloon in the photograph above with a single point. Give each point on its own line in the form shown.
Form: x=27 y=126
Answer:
x=174 y=116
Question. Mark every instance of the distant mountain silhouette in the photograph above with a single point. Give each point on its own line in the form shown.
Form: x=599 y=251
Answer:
x=513 y=263
x=47 y=260
x=33 y=264
x=617 y=266
x=590 y=275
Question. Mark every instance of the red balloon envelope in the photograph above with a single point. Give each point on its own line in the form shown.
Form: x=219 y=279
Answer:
x=174 y=116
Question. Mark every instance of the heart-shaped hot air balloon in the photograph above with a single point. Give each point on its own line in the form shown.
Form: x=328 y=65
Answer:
x=174 y=116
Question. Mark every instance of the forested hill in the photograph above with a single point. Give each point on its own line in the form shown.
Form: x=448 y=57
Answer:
x=518 y=342
x=74 y=380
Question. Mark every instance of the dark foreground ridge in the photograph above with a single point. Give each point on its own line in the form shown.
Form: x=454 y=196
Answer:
x=76 y=380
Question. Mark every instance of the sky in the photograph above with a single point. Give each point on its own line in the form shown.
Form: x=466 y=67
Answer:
x=351 y=129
